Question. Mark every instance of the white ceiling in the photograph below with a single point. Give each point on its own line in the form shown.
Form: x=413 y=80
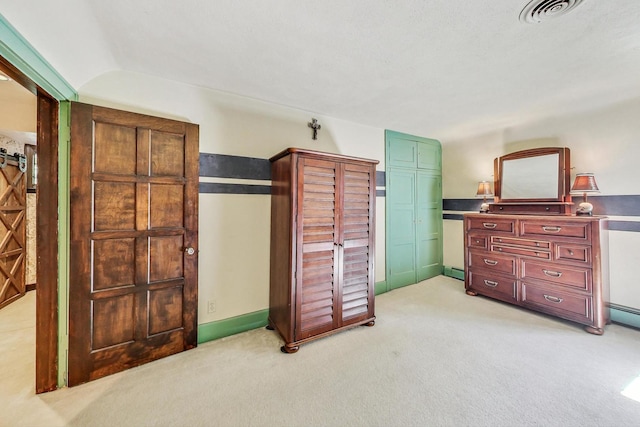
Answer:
x=436 y=68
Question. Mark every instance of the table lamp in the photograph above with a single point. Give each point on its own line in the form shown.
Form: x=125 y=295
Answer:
x=584 y=183
x=484 y=191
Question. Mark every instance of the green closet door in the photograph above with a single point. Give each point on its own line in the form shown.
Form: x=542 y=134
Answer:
x=401 y=246
x=428 y=226
x=413 y=209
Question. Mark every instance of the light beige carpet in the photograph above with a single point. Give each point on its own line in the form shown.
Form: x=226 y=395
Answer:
x=435 y=357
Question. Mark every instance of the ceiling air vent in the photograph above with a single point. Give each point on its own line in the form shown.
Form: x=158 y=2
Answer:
x=538 y=11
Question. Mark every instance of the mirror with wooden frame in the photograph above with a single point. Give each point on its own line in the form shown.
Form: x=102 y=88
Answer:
x=535 y=181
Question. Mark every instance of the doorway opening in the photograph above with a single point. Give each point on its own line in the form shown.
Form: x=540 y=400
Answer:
x=45 y=233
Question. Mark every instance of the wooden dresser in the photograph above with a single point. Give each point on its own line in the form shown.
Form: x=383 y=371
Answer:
x=553 y=264
x=322 y=244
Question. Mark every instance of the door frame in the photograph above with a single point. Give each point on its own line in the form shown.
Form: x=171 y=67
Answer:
x=23 y=64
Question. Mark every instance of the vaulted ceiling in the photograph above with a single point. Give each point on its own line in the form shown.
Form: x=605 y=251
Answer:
x=438 y=68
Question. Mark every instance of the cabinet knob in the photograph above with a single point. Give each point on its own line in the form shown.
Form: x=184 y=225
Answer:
x=189 y=251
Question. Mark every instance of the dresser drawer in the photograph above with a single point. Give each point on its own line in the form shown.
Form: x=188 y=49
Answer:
x=539 y=244
x=504 y=225
x=514 y=250
x=493 y=262
x=493 y=285
x=550 y=299
x=572 y=253
x=562 y=275
x=555 y=229
x=477 y=241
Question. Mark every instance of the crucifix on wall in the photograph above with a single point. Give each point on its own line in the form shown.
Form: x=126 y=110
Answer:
x=313 y=124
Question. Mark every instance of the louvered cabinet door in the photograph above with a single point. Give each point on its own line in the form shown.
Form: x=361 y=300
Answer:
x=356 y=243
x=317 y=263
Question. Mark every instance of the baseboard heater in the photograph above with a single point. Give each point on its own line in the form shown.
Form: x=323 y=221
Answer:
x=456 y=273
x=628 y=316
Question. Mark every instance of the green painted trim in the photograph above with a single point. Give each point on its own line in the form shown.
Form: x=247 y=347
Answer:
x=456 y=273
x=64 y=137
x=246 y=322
x=19 y=52
x=625 y=316
x=381 y=287
x=231 y=326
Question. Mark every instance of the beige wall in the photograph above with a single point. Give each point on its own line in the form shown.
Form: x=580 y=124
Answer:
x=234 y=228
x=605 y=142
x=18 y=109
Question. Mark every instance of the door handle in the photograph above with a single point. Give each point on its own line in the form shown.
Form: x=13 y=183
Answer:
x=552 y=273
x=189 y=251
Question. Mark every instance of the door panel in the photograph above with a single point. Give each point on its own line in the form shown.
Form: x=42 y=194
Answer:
x=428 y=235
x=401 y=202
x=12 y=232
x=429 y=156
x=402 y=153
x=356 y=242
x=133 y=287
x=317 y=263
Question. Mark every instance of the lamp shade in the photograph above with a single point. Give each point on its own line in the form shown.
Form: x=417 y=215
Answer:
x=585 y=183
x=484 y=189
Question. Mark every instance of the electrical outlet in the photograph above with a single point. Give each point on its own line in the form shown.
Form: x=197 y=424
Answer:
x=211 y=306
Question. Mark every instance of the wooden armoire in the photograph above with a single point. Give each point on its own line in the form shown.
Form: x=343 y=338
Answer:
x=322 y=244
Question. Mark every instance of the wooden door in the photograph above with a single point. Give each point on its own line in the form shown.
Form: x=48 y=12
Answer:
x=12 y=231
x=356 y=242
x=134 y=239
x=317 y=268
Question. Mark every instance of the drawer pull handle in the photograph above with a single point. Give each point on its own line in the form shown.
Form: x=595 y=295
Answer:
x=552 y=273
x=490 y=283
x=551 y=298
x=491 y=225
x=551 y=229
x=490 y=262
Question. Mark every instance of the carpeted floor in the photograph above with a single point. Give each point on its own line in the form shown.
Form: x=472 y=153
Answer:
x=436 y=357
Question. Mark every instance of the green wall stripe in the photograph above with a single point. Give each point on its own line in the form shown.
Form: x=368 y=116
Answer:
x=381 y=287
x=231 y=326
x=19 y=52
x=246 y=322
